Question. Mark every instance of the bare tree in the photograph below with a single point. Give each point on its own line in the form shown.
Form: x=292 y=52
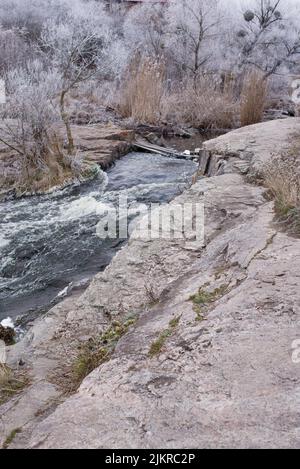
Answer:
x=28 y=115
x=260 y=39
x=193 y=25
x=14 y=51
x=76 y=51
x=145 y=29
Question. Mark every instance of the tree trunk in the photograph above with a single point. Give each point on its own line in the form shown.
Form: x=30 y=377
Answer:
x=66 y=121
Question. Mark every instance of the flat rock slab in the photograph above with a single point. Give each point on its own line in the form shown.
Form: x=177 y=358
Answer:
x=102 y=144
x=250 y=148
x=228 y=381
x=223 y=377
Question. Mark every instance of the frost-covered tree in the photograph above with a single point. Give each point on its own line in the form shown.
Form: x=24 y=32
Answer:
x=14 y=51
x=193 y=27
x=259 y=38
x=145 y=29
x=74 y=42
x=266 y=36
x=77 y=50
x=29 y=113
x=30 y=15
x=290 y=36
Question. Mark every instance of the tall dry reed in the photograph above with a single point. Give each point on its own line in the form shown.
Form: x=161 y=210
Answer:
x=204 y=104
x=143 y=90
x=253 y=98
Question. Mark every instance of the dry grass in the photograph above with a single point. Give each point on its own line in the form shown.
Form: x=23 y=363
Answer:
x=11 y=383
x=55 y=169
x=143 y=90
x=90 y=355
x=282 y=178
x=253 y=98
x=203 y=104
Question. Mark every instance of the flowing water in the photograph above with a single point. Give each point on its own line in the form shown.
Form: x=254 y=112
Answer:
x=49 y=241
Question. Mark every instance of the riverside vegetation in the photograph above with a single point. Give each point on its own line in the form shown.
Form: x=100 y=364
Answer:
x=162 y=321
x=157 y=64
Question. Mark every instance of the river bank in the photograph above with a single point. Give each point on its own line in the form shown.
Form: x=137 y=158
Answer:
x=97 y=146
x=42 y=258
x=49 y=242
x=239 y=391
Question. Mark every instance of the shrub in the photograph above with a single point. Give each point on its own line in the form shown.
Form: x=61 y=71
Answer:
x=253 y=98
x=27 y=130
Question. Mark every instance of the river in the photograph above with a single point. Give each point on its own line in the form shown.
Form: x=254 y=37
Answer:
x=49 y=242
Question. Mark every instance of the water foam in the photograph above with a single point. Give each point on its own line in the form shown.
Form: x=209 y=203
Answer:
x=7 y=322
x=3 y=241
x=84 y=207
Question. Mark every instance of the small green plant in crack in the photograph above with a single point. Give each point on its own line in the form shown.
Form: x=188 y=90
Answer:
x=203 y=298
x=98 y=350
x=11 y=438
x=174 y=322
x=158 y=344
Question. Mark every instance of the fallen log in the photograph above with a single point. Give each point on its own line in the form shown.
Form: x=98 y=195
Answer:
x=171 y=152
